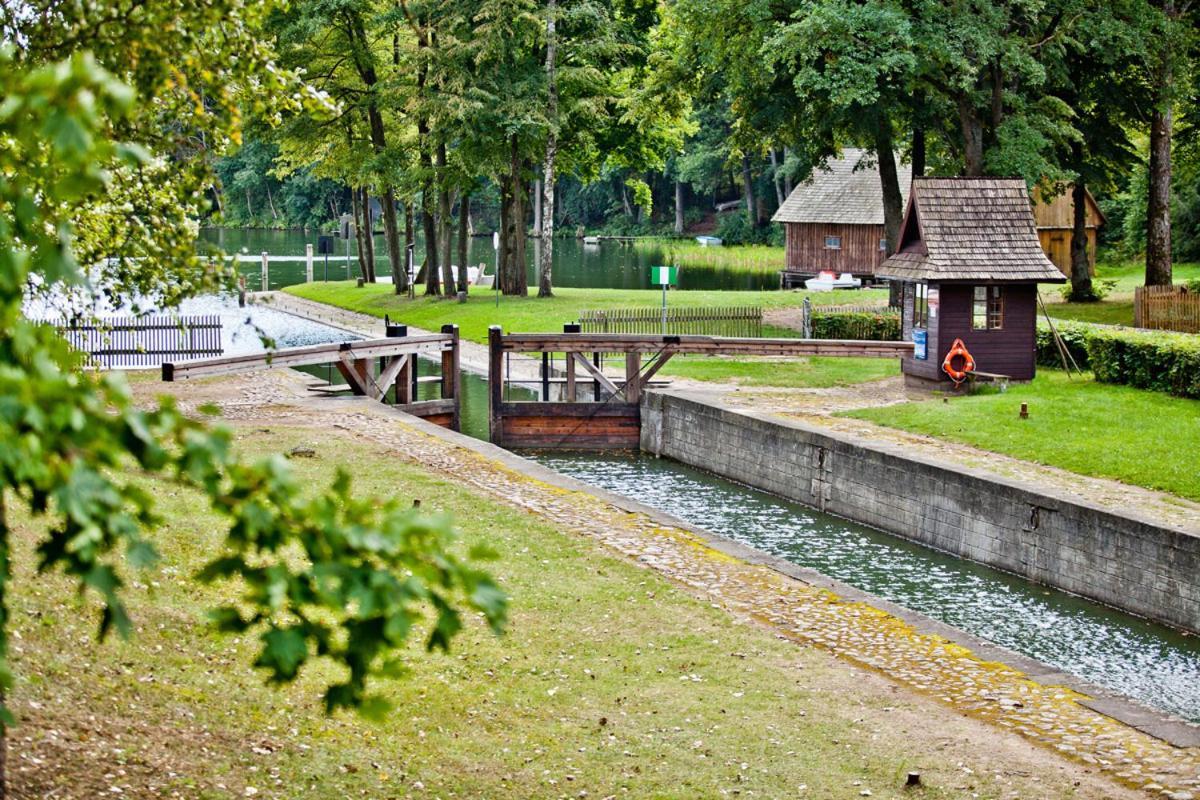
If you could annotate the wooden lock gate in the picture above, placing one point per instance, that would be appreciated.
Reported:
(370, 367)
(611, 418)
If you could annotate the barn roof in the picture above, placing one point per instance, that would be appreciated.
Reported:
(969, 229)
(842, 191)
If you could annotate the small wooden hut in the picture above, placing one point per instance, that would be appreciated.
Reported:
(834, 220)
(970, 262)
(1055, 221)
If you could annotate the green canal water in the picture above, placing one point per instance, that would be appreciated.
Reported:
(608, 265)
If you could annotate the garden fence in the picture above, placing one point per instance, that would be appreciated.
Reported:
(143, 341)
(1167, 308)
(739, 321)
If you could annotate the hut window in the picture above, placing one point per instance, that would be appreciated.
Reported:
(988, 311)
(883, 245)
(921, 305)
(833, 243)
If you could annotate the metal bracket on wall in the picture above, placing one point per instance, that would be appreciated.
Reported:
(822, 481)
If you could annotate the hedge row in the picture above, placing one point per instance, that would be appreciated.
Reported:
(880, 327)
(1161, 362)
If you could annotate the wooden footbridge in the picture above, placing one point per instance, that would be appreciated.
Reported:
(583, 406)
(370, 368)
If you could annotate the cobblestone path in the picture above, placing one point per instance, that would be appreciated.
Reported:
(997, 693)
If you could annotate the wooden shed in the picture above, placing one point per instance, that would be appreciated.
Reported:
(834, 220)
(1055, 221)
(970, 262)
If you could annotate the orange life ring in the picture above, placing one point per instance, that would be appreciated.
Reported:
(958, 350)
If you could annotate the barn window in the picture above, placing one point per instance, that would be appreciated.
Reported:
(883, 245)
(988, 311)
(833, 243)
(921, 305)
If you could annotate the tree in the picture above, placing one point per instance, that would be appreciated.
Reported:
(69, 438)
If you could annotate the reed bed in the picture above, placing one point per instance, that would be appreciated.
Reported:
(687, 253)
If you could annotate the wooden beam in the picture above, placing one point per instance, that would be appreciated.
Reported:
(495, 385)
(698, 345)
(389, 374)
(595, 372)
(353, 373)
(302, 356)
(633, 386)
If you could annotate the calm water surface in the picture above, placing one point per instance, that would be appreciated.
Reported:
(607, 265)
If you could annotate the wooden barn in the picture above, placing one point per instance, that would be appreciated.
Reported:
(1055, 221)
(834, 220)
(970, 262)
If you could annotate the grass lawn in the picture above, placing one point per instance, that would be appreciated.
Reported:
(610, 682)
(1141, 438)
(529, 314)
(1117, 308)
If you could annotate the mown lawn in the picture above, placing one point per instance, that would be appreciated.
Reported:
(1142, 438)
(1117, 308)
(529, 314)
(610, 683)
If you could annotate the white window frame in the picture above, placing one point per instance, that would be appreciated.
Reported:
(837, 243)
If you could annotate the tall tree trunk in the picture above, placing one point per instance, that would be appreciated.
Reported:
(464, 239)
(433, 280)
(368, 237)
(391, 232)
(544, 216)
(748, 191)
(625, 206)
(249, 205)
(409, 240)
(679, 207)
(513, 279)
(972, 133)
(779, 198)
(444, 221)
(1081, 272)
(787, 178)
(360, 244)
(271, 202)
(1158, 209)
(537, 206)
(918, 133)
(889, 181)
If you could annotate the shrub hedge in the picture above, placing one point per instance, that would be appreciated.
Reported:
(881, 327)
(1161, 362)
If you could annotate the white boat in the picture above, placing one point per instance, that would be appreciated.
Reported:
(827, 281)
(591, 240)
(709, 241)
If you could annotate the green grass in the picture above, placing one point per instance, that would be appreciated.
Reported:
(530, 314)
(1117, 307)
(590, 691)
(688, 253)
(1141, 438)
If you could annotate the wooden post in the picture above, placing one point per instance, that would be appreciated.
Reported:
(545, 377)
(633, 365)
(404, 393)
(451, 386)
(308, 263)
(571, 328)
(265, 276)
(596, 384)
(495, 385)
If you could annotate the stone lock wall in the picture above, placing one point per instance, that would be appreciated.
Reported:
(1118, 560)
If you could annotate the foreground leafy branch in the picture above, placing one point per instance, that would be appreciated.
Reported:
(328, 575)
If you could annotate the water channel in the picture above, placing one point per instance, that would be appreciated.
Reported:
(1151, 663)
(609, 265)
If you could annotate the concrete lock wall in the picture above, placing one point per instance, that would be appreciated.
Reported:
(1118, 560)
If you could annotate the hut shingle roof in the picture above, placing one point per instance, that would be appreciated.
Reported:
(969, 229)
(843, 191)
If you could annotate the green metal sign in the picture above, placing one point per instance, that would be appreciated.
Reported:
(664, 276)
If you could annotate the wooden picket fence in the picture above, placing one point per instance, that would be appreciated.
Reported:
(1167, 308)
(740, 321)
(143, 341)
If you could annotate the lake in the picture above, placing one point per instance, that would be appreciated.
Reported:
(607, 265)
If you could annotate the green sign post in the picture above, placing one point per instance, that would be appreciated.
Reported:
(664, 277)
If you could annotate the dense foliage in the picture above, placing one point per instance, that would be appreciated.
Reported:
(324, 574)
(1161, 362)
(829, 323)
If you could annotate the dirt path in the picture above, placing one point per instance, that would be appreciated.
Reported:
(1036, 740)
